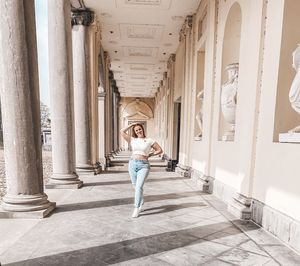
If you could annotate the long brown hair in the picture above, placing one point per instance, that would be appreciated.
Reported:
(134, 135)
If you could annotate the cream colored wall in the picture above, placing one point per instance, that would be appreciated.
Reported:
(253, 164)
(231, 162)
(276, 175)
(200, 150)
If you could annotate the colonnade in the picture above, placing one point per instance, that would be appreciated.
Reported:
(78, 140)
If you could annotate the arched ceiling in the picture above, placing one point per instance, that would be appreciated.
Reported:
(139, 36)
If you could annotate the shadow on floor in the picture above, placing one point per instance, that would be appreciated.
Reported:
(123, 182)
(136, 248)
(170, 208)
(121, 201)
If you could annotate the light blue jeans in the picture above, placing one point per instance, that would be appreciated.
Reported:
(138, 171)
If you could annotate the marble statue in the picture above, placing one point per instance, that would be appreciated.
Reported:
(294, 94)
(229, 98)
(199, 115)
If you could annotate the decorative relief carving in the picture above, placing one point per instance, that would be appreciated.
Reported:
(83, 17)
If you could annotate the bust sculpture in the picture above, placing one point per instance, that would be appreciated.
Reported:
(294, 94)
(229, 98)
(199, 115)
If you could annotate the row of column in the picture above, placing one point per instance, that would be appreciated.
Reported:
(70, 104)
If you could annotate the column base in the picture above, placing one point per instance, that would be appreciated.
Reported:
(85, 169)
(183, 170)
(240, 206)
(97, 168)
(64, 181)
(204, 182)
(26, 206)
(27, 215)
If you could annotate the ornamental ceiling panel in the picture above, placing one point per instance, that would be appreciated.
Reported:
(140, 51)
(157, 4)
(139, 67)
(144, 32)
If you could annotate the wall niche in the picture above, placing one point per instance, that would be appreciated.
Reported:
(230, 72)
(287, 108)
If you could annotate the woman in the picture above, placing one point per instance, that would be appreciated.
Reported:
(139, 167)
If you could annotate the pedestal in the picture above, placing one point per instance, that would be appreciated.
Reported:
(289, 137)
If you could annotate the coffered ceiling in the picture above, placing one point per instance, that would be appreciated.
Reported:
(139, 36)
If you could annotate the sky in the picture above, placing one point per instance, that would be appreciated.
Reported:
(42, 43)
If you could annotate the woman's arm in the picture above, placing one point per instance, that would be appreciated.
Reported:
(157, 150)
(123, 131)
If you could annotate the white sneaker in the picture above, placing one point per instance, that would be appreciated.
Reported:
(135, 213)
(141, 206)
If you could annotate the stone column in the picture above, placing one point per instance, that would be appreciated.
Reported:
(101, 123)
(116, 118)
(81, 19)
(111, 113)
(61, 96)
(20, 105)
(94, 47)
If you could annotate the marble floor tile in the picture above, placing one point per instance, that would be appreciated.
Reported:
(183, 257)
(245, 258)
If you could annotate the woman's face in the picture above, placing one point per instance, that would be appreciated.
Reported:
(139, 131)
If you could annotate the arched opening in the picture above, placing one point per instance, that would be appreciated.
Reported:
(230, 66)
(288, 86)
(136, 110)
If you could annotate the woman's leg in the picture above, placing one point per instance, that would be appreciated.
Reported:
(141, 177)
(132, 172)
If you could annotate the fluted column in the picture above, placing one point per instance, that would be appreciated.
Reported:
(20, 105)
(80, 20)
(61, 96)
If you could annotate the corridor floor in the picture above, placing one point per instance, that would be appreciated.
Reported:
(180, 225)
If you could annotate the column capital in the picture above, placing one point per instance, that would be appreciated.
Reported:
(83, 17)
(171, 60)
(107, 59)
(187, 26)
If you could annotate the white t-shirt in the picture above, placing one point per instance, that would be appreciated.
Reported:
(141, 146)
